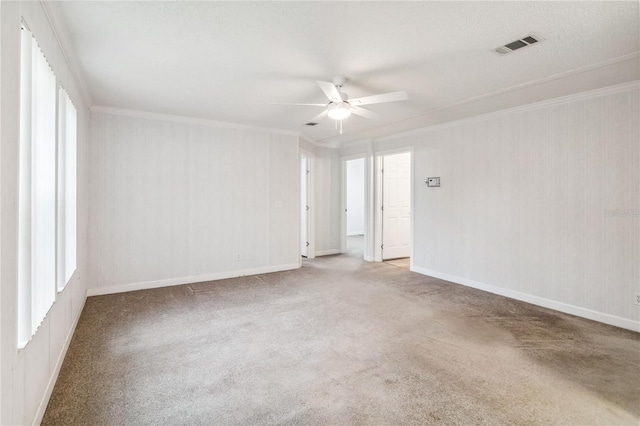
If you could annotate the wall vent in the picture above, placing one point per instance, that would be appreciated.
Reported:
(518, 44)
(311, 123)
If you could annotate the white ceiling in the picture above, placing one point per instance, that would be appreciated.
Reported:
(226, 61)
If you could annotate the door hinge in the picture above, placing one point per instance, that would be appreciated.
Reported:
(307, 208)
(382, 208)
(307, 243)
(382, 246)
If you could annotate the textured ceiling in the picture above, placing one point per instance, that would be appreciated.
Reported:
(226, 61)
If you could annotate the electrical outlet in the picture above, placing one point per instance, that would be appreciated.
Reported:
(636, 299)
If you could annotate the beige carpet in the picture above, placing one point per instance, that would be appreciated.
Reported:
(400, 263)
(341, 342)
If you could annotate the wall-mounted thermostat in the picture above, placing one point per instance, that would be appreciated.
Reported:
(433, 181)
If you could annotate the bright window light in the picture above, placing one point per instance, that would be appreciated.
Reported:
(66, 189)
(37, 189)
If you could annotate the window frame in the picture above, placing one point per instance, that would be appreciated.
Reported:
(67, 189)
(47, 188)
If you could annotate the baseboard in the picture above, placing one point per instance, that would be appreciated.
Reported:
(327, 252)
(535, 300)
(56, 371)
(145, 285)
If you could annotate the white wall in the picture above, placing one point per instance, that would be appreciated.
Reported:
(175, 202)
(522, 210)
(355, 197)
(28, 375)
(327, 182)
(326, 204)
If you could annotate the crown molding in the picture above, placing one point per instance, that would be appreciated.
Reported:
(358, 142)
(190, 120)
(348, 138)
(562, 100)
(310, 140)
(543, 80)
(63, 40)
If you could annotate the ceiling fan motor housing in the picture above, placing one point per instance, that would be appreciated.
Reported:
(339, 80)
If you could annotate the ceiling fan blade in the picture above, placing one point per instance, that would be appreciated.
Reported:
(318, 117)
(330, 90)
(365, 113)
(378, 99)
(279, 103)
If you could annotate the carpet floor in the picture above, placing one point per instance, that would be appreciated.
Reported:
(340, 341)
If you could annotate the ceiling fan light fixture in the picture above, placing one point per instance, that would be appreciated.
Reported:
(339, 111)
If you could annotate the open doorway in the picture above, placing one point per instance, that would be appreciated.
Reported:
(354, 202)
(395, 209)
(306, 213)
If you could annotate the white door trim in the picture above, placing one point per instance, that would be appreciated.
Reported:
(311, 234)
(368, 199)
(377, 202)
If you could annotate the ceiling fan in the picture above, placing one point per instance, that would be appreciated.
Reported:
(340, 106)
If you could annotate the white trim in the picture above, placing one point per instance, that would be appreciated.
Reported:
(190, 120)
(378, 216)
(336, 139)
(310, 201)
(311, 198)
(343, 202)
(535, 300)
(562, 100)
(553, 77)
(366, 143)
(145, 285)
(299, 197)
(309, 139)
(327, 252)
(393, 151)
(354, 156)
(377, 206)
(42, 407)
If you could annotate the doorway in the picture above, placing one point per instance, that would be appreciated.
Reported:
(354, 172)
(306, 212)
(395, 209)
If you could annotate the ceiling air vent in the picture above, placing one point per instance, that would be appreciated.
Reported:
(311, 123)
(517, 44)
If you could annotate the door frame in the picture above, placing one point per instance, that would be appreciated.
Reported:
(378, 182)
(311, 236)
(368, 199)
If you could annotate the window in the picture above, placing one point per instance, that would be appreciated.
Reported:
(66, 189)
(37, 189)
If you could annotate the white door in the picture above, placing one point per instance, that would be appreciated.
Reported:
(396, 206)
(304, 207)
